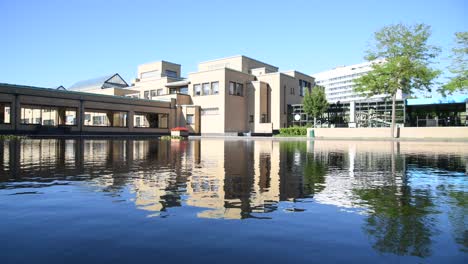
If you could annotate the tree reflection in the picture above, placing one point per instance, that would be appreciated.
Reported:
(314, 175)
(400, 221)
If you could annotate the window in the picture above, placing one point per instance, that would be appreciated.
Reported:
(236, 89)
(292, 90)
(251, 119)
(210, 111)
(105, 118)
(160, 92)
(146, 95)
(170, 73)
(5, 113)
(206, 89)
(196, 89)
(232, 88)
(215, 87)
(149, 74)
(149, 120)
(183, 90)
(239, 89)
(47, 115)
(153, 93)
(190, 120)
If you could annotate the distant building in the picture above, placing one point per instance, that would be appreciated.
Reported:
(339, 83)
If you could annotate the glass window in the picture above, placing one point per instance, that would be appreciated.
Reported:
(70, 116)
(239, 89)
(49, 116)
(170, 73)
(189, 119)
(105, 118)
(196, 89)
(146, 95)
(31, 115)
(206, 89)
(145, 120)
(215, 87)
(251, 119)
(5, 113)
(160, 92)
(232, 88)
(183, 90)
(153, 93)
(149, 74)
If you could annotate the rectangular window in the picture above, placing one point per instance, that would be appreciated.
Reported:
(189, 119)
(149, 74)
(232, 88)
(105, 118)
(183, 90)
(172, 74)
(160, 92)
(153, 93)
(146, 95)
(5, 113)
(70, 116)
(251, 119)
(196, 89)
(149, 120)
(239, 89)
(48, 115)
(206, 89)
(292, 90)
(215, 88)
(210, 111)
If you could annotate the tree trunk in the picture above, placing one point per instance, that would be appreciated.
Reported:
(393, 115)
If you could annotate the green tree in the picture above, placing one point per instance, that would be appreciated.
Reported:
(459, 66)
(405, 58)
(315, 103)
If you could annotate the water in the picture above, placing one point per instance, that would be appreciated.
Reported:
(232, 201)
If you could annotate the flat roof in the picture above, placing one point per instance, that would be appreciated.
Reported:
(441, 100)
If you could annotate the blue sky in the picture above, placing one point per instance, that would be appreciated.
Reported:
(50, 43)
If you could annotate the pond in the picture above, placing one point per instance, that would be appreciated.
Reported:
(232, 201)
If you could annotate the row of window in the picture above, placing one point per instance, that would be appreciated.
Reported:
(54, 116)
(206, 89)
(303, 85)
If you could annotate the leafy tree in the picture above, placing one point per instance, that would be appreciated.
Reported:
(459, 67)
(315, 103)
(402, 57)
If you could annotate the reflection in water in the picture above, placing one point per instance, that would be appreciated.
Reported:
(401, 189)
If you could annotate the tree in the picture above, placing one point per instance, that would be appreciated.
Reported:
(315, 103)
(459, 66)
(405, 57)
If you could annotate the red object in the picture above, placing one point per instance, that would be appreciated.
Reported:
(179, 129)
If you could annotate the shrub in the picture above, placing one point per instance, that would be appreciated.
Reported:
(293, 131)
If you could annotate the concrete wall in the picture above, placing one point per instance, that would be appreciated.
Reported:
(384, 133)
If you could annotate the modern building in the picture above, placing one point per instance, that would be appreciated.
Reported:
(339, 83)
(228, 96)
(33, 110)
(231, 95)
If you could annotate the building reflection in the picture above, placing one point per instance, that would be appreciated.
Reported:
(236, 179)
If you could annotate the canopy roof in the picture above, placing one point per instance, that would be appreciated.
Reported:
(108, 81)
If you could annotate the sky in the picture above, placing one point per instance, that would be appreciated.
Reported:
(50, 43)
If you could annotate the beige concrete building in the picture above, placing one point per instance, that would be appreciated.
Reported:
(224, 96)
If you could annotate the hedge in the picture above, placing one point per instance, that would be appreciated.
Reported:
(294, 131)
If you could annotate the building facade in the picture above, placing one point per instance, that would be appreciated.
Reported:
(33, 110)
(230, 96)
(339, 83)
